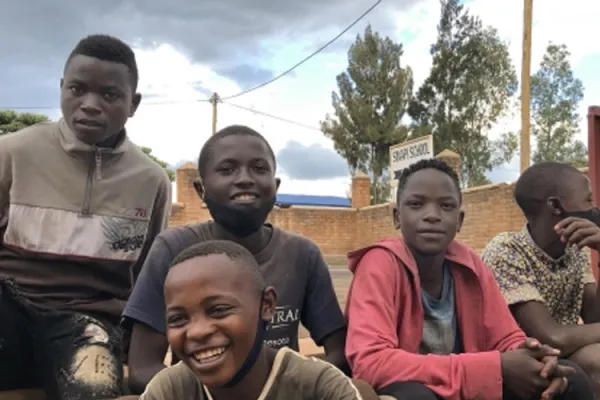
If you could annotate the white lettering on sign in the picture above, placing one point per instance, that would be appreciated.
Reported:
(404, 154)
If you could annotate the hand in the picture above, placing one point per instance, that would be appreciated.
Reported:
(551, 370)
(579, 232)
(521, 374)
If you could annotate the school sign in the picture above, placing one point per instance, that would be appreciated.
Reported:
(404, 154)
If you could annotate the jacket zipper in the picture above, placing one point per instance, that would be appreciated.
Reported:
(95, 167)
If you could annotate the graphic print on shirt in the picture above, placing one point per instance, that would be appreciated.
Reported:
(282, 326)
(124, 235)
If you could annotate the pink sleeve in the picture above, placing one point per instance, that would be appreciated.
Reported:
(502, 331)
(372, 341)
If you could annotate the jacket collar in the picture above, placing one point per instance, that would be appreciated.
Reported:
(72, 144)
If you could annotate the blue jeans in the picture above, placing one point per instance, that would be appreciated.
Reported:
(70, 355)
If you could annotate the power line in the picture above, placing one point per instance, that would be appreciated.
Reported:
(264, 114)
(320, 49)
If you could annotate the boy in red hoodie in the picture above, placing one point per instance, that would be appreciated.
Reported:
(426, 319)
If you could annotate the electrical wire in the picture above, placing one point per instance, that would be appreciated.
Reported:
(264, 114)
(305, 59)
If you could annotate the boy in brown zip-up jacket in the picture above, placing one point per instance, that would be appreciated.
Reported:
(79, 208)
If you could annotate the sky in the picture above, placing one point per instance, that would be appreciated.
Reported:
(186, 50)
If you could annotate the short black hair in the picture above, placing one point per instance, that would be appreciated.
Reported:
(430, 163)
(539, 182)
(232, 130)
(107, 48)
(228, 248)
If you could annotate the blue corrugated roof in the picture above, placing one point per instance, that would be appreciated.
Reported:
(308, 200)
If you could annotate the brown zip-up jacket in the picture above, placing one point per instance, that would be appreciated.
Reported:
(76, 222)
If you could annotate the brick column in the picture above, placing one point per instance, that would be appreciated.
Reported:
(361, 190)
(451, 158)
(186, 174)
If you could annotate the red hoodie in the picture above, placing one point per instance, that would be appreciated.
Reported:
(385, 323)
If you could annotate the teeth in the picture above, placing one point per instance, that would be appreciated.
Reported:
(245, 197)
(209, 355)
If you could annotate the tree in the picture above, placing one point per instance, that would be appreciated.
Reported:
(555, 98)
(469, 89)
(373, 97)
(11, 121)
(170, 172)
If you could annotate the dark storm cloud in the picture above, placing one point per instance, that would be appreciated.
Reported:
(37, 35)
(311, 162)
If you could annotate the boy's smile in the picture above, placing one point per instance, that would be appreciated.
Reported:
(240, 172)
(212, 316)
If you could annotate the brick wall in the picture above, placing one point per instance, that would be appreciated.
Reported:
(489, 210)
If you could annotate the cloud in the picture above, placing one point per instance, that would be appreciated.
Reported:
(231, 36)
(311, 162)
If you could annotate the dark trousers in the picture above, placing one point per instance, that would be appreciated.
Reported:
(579, 388)
(71, 356)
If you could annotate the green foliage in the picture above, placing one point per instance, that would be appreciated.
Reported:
(170, 172)
(555, 98)
(373, 97)
(469, 89)
(11, 121)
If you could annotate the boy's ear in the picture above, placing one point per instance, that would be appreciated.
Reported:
(269, 302)
(461, 218)
(396, 216)
(277, 183)
(199, 187)
(62, 81)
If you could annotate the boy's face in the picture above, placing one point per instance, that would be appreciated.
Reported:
(97, 98)
(240, 171)
(428, 212)
(212, 316)
(579, 197)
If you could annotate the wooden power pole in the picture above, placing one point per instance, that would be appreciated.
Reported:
(214, 100)
(526, 86)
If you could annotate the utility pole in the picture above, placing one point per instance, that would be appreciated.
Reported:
(526, 86)
(214, 100)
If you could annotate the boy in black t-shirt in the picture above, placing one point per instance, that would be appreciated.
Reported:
(238, 185)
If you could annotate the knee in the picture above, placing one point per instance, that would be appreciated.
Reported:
(588, 358)
(580, 386)
(407, 390)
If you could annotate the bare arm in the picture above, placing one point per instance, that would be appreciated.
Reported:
(334, 345)
(590, 311)
(535, 319)
(146, 356)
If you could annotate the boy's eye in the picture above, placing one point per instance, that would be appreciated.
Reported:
(110, 96)
(448, 206)
(176, 321)
(414, 203)
(219, 311)
(76, 89)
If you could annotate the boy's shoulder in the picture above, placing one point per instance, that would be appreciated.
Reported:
(174, 382)
(183, 236)
(312, 376)
(26, 137)
(505, 243)
(139, 160)
(296, 240)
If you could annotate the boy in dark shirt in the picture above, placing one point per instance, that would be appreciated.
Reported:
(238, 185)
